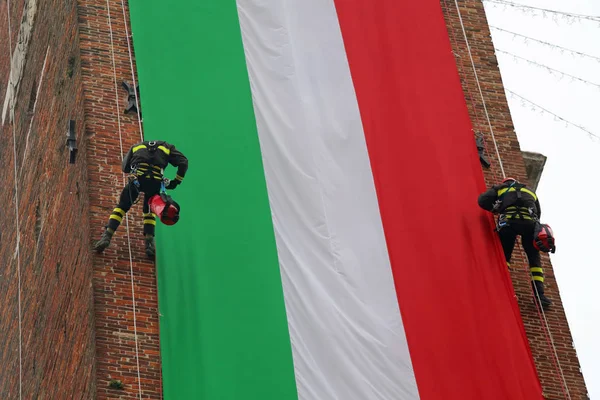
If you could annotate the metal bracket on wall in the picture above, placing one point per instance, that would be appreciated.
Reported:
(131, 94)
(71, 142)
(480, 142)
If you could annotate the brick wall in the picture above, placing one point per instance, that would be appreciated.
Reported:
(115, 340)
(482, 48)
(56, 295)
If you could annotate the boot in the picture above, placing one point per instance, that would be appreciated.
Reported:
(104, 241)
(539, 294)
(150, 248)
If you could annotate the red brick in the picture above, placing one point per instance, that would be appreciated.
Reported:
(57, 303)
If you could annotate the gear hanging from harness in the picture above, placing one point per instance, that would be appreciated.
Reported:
(516, 210)
(543, 238)
(164, 207)
(149, 170)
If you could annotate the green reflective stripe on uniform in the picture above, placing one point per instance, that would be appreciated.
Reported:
(165, 150)
(537, 272)
(518, 216)
(136, 148)
(178, 177)
(529, 192)
(117, 214)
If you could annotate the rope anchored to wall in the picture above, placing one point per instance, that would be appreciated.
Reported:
(137, 356)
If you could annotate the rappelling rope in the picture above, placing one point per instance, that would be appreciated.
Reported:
(137, 103)
(548, 334)
(487, 115)
(540, 309)
(137, 355)
(18, 248)
(480, 123)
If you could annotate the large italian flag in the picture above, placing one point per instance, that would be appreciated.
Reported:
(330, 246)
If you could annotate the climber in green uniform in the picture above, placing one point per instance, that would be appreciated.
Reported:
(145, 162)
(519, 212)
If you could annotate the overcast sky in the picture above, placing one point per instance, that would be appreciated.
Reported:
(569, 190)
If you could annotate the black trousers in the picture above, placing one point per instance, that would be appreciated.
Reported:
(130, 193)
(508, 237)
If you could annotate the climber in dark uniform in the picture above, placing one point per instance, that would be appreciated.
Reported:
(145, 162)
(519, 211)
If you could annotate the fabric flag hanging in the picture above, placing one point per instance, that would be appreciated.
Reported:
(332, 247)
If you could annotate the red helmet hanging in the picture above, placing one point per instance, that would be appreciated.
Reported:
(544, 238)
(509, 179)
(166, 209)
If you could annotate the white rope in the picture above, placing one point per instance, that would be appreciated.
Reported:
(137, 356)
(543, 313)
(479, 88)
(547, 326)
(137, 103)
(17, 250)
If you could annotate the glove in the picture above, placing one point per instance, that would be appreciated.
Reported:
(173, 184)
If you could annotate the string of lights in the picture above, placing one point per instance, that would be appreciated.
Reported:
(549, 69)
(536, 107)
(544, 11)
(548, 44)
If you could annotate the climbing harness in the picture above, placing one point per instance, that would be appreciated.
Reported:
(516, 208)
(112, 50)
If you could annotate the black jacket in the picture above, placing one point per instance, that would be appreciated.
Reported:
(511, 204)
(157, 154)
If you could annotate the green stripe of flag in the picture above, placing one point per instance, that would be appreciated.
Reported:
(224, 332)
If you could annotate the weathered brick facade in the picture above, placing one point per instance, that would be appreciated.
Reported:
(77, 310)
(486, 64)
(57, 304)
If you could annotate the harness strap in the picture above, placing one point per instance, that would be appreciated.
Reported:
(517, 207)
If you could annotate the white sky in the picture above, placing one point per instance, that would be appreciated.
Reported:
(570, 186)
